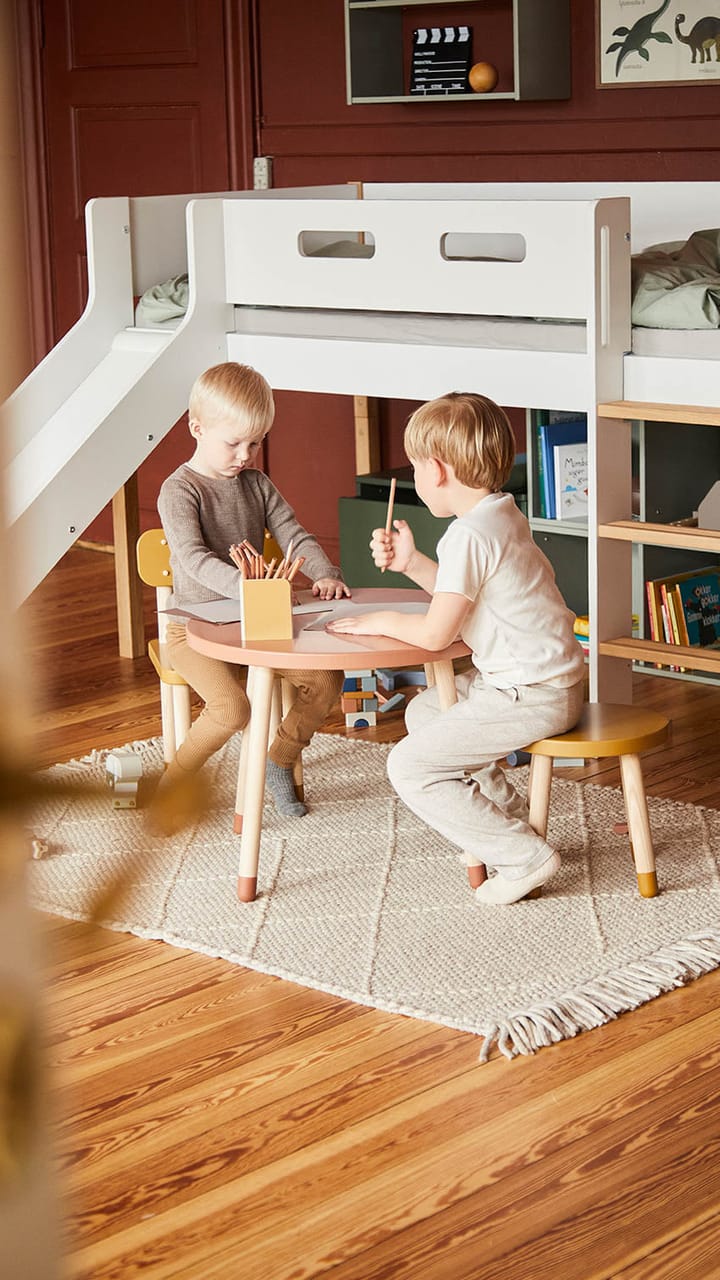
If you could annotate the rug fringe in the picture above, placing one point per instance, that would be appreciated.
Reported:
(601, 1001)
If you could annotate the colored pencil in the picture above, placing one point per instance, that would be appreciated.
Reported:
(389, 516)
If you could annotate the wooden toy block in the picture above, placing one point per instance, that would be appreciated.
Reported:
(369, 682)
(358, 675)
(391, 679)
(361, 720)
(266, 609)
(397, 700)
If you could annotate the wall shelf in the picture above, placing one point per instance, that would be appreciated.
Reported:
(534, 39)
(662, 535)
(674, 466)
(675, 655)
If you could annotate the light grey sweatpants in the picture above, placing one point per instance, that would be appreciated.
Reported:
(482, 813)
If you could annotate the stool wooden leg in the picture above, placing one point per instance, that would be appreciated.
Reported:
(181, 713)
(476, 873)
(168, 723)
(639, 824)
(257, 733)
(288, 698)
(539, 784)
(242, 763)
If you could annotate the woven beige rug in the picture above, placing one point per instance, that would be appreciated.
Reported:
(360, 899)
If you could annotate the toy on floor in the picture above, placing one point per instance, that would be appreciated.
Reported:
(391, 679)
(361, 699)
(123, 770)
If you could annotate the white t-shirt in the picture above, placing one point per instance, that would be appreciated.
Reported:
(519, 628)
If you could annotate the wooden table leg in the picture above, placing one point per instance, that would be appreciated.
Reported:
(444, 679)
(254, 789)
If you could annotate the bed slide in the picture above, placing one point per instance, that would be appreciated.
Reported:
(85, 419)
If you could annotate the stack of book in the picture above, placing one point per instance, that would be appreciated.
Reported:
(562, 465)
(581, 628)
(685, 608)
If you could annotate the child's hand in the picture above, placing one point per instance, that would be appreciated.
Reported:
(393, 550)
(330, 589)
(361, 624)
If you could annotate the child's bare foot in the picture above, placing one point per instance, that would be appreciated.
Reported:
(502, 891)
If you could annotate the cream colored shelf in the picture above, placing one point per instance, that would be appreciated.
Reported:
(671, 655)
(662, 535)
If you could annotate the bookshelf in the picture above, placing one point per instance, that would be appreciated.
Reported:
(528, 40)
(687, 465)
(564, 542)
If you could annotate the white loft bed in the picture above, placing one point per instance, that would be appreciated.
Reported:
(521, 291)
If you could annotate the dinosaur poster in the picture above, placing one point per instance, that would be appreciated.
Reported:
(642, 42)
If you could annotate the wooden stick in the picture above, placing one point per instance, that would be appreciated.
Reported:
(280, 569)
(269, 568)
(288, 555)
(391, 503)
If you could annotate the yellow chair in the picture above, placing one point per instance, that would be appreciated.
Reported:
(153, 562)
(604, 729)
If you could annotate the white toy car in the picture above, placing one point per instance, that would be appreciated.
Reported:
(123, 772)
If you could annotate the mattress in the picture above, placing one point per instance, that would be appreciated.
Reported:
(494, 332)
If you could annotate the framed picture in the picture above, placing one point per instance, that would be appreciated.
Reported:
(656, 42)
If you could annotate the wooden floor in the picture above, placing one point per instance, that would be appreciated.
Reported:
(214, 1122)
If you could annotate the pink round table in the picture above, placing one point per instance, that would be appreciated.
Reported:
(308, 650)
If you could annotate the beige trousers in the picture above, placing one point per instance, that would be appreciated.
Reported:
(227, 710)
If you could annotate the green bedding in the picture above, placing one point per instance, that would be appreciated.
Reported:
(677, 286)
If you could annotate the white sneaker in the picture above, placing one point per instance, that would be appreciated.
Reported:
(501, 891)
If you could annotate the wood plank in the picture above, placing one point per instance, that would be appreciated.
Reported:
(367, 435)
(662, 535)
(676, 655)
(645, 411)
(128, 587)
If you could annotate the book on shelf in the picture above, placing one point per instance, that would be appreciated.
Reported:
(571, 480)
(684, 608)
(550, 435)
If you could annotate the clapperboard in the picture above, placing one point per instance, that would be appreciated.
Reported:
(441, 60)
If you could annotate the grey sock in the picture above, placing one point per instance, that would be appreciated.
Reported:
(280, 782)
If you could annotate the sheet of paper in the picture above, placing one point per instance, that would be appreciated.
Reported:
(222, 611)
(346, 609)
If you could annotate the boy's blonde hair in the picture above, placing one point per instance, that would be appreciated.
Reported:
(232, 390)
(469, 432)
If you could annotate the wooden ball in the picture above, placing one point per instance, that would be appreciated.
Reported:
(483, 77)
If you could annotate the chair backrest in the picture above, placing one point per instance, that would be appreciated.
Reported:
(153, 562)
(153, 558)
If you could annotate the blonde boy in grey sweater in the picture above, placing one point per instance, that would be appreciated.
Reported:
(215, 500)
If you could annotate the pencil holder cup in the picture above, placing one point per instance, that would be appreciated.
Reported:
(266, 605)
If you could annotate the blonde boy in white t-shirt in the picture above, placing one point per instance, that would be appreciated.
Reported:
(494, 587)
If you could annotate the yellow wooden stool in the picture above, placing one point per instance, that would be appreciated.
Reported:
(604, 729)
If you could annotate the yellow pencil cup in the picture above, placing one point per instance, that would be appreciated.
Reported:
(266, 609)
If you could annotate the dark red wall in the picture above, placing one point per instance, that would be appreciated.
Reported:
(303, 122)
(610, 134)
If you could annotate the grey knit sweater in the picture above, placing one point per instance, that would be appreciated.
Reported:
(202, 517)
